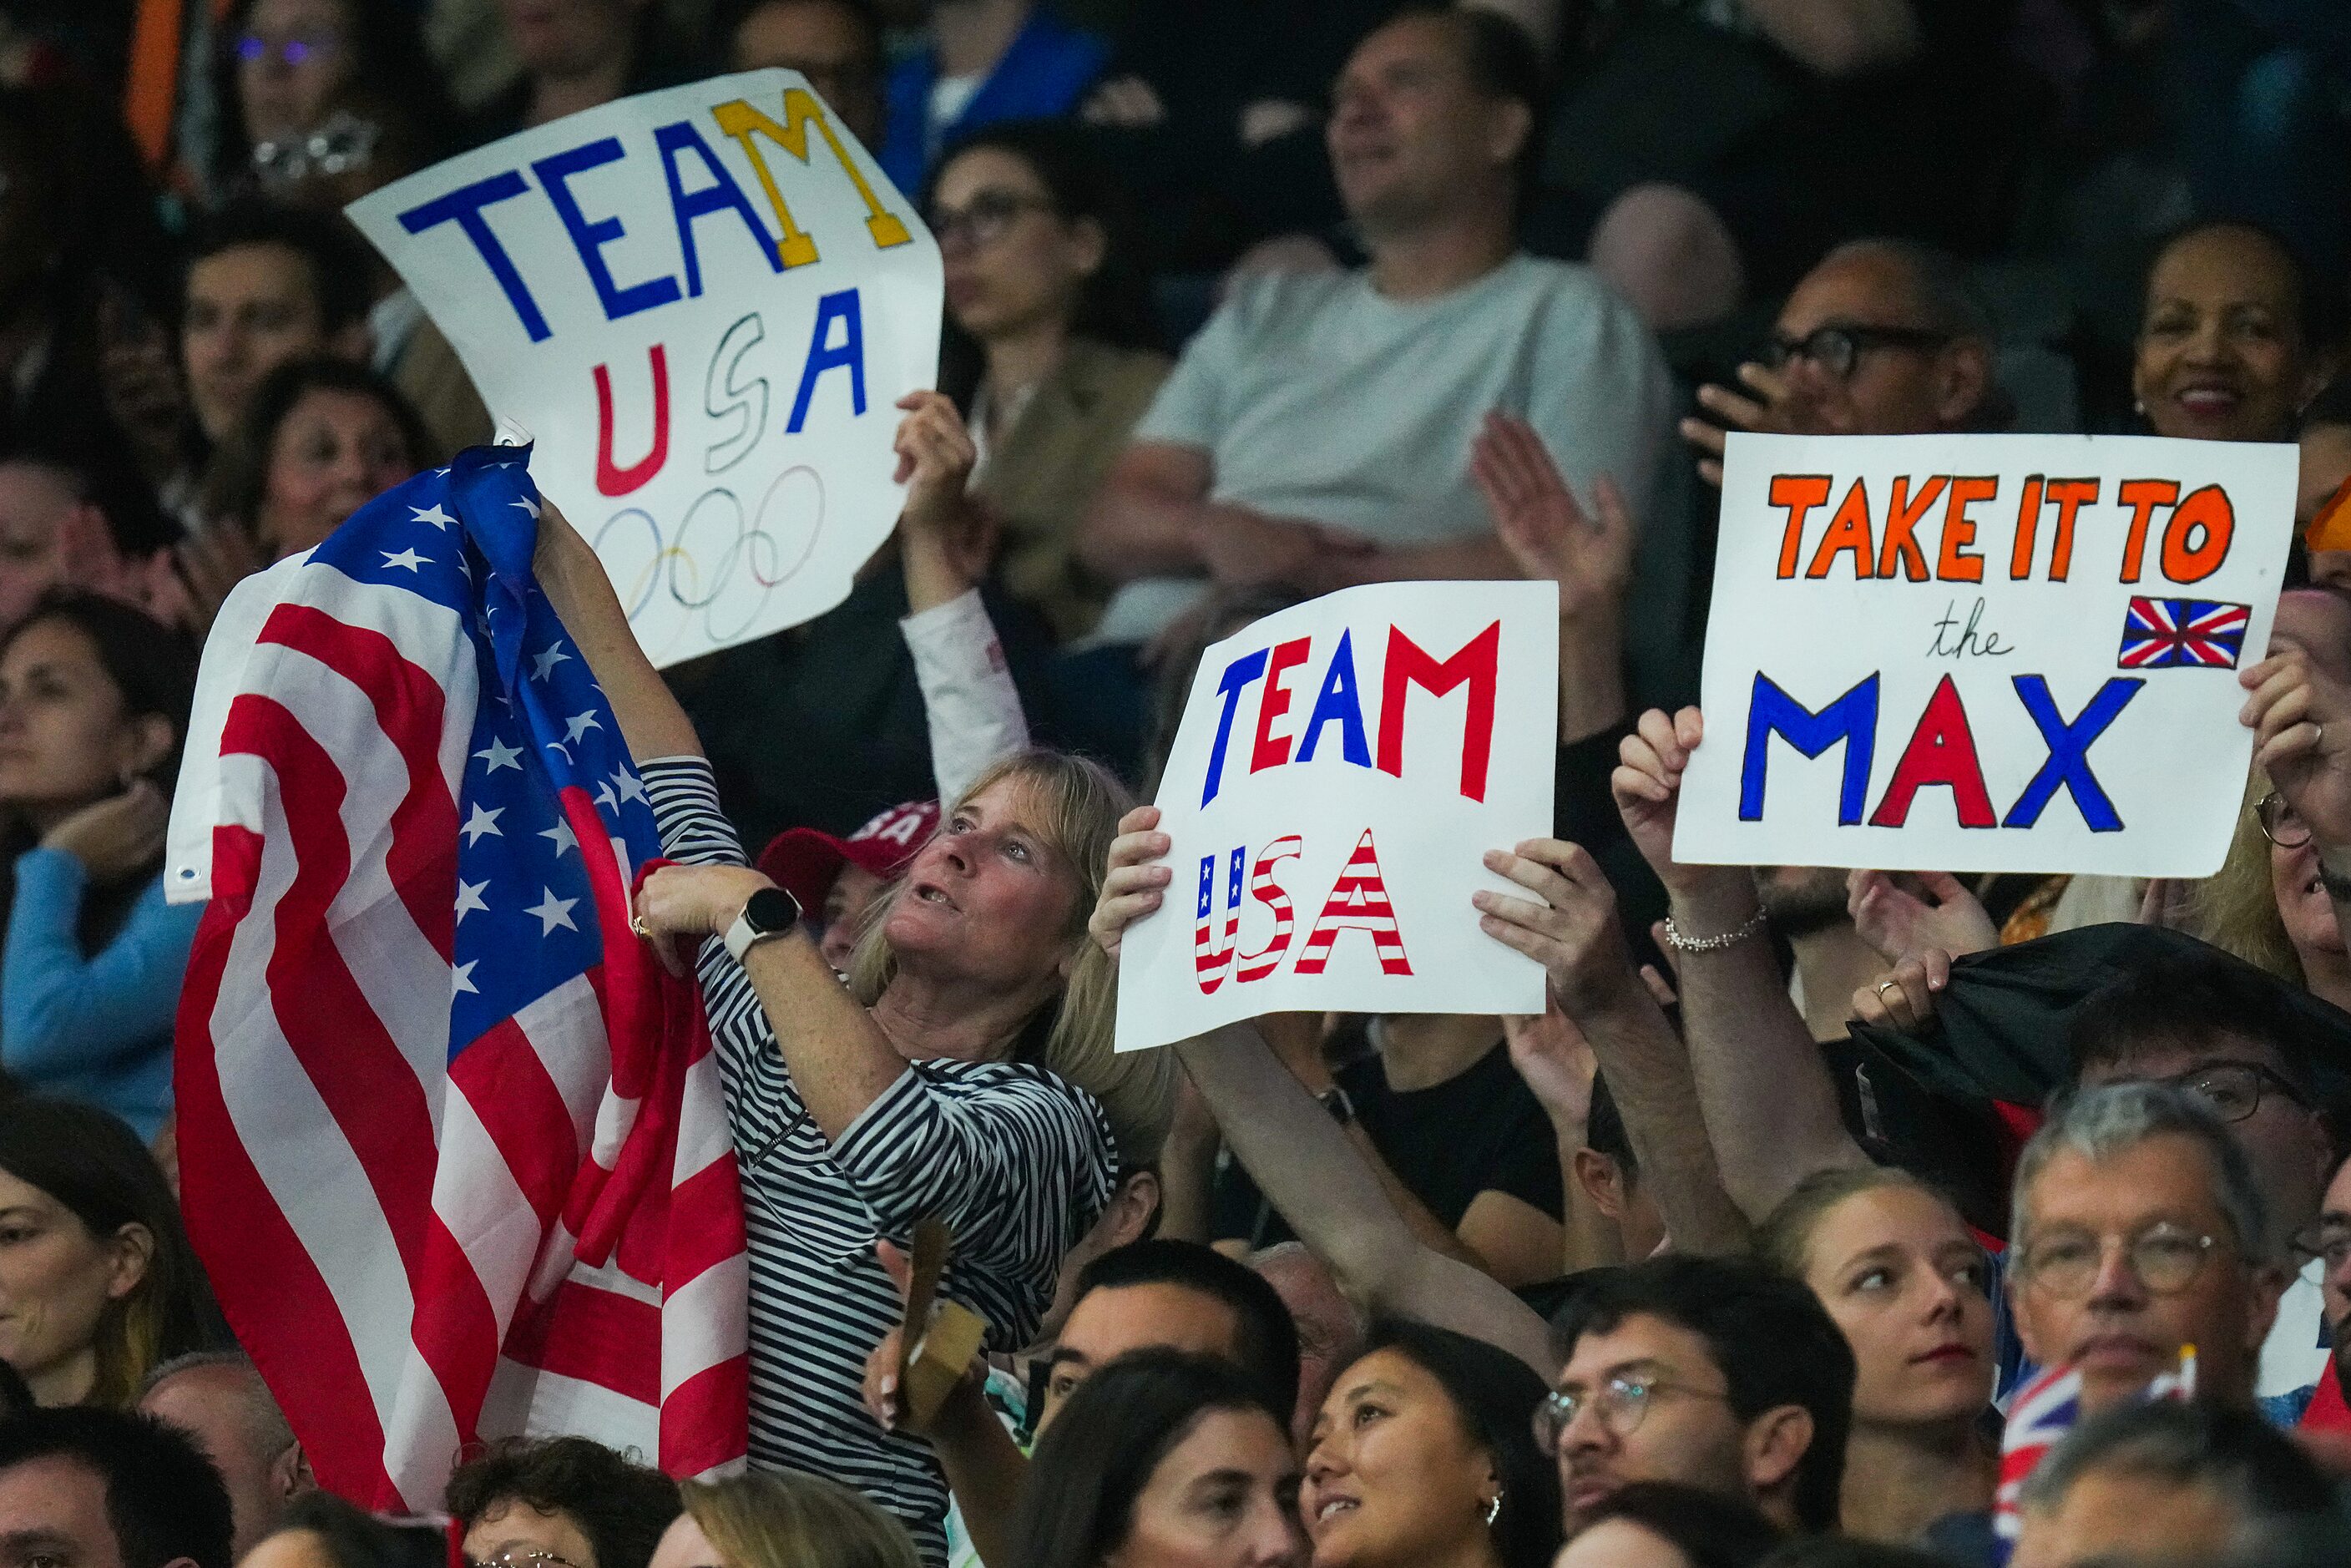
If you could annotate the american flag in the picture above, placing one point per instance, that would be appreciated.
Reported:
(2045, 1410)
(2158, 633)
(453, 1147)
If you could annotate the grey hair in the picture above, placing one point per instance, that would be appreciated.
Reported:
(265, 1425)
(2235, 1454)
(2100, 1124)
(1949, 300)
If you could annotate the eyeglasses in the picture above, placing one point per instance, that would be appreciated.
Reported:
(522, 1557)
(2280, 824)
(1620, 1403)
(2165, 1257)
(253, 48)
(989, 218)
(342, 145)
(1838, 346)
(2233, 1090)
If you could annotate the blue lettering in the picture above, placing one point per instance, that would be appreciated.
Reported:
(725, 195)
(2069, 752)
(464, 205)
(1339, 700)
(591, 238)
(849, 356)
(1852, 718)
(1237, 675)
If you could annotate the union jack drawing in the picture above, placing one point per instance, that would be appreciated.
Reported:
(2160, 633)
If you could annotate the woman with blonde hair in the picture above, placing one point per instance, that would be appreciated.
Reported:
(785, 1521)
(2266, 904)
(965, 1074)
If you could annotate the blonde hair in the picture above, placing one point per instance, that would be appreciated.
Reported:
(2236, 908)
(787, 1519)
(1784, 1240)
(1080, 804)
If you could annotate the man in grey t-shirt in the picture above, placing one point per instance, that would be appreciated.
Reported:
(1317, 433)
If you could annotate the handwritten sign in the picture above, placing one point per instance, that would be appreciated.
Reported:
(702, 303)
(1984, 653)
(1340, 769)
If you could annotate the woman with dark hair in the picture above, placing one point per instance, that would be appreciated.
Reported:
(323, 438)
(319, 1530)
(2236, 336)
(94, 699)
(1163, 1458)
(97, 1285)
(567, 1497)
(1425, 1453)
(1665, 1524)
(1051, 348)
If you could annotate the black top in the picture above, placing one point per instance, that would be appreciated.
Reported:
(1481, 1130)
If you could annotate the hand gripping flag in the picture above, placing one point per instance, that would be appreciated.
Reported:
(2045, 1411)
(453, 1146)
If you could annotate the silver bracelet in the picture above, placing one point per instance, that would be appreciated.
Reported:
(1681, 944)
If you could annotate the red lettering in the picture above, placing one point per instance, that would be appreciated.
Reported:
(2142, 497)
(1848, 530)
(610, 478)
(1942, 750)
(1257, 966)
(1901, 518)
(1358, 902)
(2207, 509)
(1956, 562)
(2070, 496)
(1475, 663)
(1799, 492)
(1273, 700)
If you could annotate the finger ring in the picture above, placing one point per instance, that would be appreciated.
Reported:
(1885, 986)
(637, 924)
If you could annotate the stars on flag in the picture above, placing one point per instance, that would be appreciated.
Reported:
(484, 822)
(406, 558)
(498, 754)
(553, 912)
(528, 505)
(579, 723)
(630, 787)
(469, 896)
(432, 514)
(460, 977)
(561, 836)
(543, 663)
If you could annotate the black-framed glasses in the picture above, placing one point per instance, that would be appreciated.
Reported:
(522, 1557)
(985, 218)
(2280, 824)
(1838, 346)
(253, 48)
(2233, 1090)
(1621, 1403)
(2166, 1257)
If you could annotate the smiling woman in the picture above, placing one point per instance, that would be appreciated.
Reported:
(2237, 337)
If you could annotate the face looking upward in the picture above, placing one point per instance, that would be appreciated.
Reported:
(1906, 1282)
(1395, 1477)
(1410, 137)
(1225, 1496)
(988, 900)
(2222, 353)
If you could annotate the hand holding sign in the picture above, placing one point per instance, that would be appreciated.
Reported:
(2301, 720)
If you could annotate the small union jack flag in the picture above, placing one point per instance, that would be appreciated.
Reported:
(2159, 633)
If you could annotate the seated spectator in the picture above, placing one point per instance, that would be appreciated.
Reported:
(781, 1521)
(836, 44)
(1663, 1524)
(218, 1398)
(94, 699)
(571, 1500)
(2266, 904)
(1715, 1374)
(321, 1531)
(1424, 1453)
(1263, 460)
(1330, 1328)
(1051, 346)
(103, 1286)
(104, 1488)
(265, 286)
(576, 54)
(1908, 1286)
(70, 522)
(1164, 1457)
(2166, 1482)
(983, 61)
(2139, 1230)
(976, 967)
(1883, 338)
(2236, 337)
(318, 89)
(320, 440)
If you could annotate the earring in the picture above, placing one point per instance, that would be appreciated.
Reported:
(1493, 1511)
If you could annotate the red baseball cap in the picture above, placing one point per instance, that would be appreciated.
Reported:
(804, 862)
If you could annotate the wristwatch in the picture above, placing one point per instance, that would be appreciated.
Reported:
(767, 914)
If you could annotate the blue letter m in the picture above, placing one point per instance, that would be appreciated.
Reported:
(1852, 718)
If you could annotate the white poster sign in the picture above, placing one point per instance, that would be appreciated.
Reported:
(701, 303)
(1340, 768)
(1984, 653)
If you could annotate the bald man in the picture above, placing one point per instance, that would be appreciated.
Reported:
(218, 1400)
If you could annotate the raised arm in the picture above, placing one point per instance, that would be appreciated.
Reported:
(576, 584)
(2301, 720)
(1771, 1111)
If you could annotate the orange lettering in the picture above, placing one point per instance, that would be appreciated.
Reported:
(2070, 496)
(2028, 522)
(1901, 517)
(1956, 562)
(2142, 497)
(1800, 492)
(2207, 509)
(1848, 530)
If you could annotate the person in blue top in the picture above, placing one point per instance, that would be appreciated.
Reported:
(987, 60)
(94, 698)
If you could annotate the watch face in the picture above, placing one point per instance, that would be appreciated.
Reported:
(771, 910)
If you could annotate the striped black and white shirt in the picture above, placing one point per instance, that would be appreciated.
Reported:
(1017, 1164)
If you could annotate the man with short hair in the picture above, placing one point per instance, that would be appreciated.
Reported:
(836, 44)
(1174, 1295)
(1884, 336)
(1715, 1372)
(101, 1488)
(218, 1400)
(1317, 433)
(266, 284)
(2166, 1482)
(2140, 1231)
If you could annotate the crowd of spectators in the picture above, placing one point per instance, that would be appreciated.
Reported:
(1247, 300)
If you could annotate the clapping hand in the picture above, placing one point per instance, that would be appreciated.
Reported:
(1893, 920)
(1588, 554)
